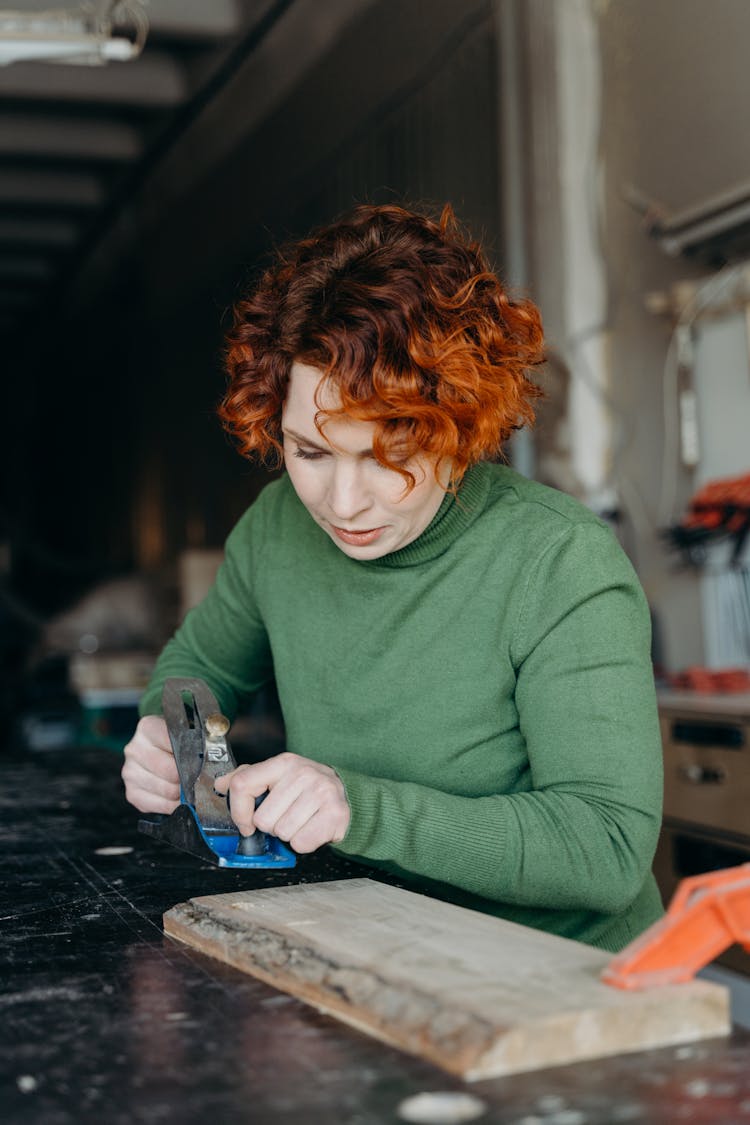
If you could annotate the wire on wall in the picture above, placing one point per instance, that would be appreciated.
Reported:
(679, 359)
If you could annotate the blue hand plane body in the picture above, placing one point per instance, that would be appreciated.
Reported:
(202, 824)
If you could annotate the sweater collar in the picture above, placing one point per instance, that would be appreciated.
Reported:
(454, 515)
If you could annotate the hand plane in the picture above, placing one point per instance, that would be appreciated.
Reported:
(202, 823)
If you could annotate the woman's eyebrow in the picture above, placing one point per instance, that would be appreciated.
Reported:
(315, 445)
(304, 440)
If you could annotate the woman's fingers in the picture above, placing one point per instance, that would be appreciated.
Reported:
(149, 771)
(305, 804)
(145, 800)
(307, 826)
(304, 801)
(138, 777)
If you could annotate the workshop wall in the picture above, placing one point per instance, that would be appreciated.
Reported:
(676, 89)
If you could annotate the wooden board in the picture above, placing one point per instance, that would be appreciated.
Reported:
(478, 996)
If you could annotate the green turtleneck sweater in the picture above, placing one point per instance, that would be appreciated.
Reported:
(485, 694)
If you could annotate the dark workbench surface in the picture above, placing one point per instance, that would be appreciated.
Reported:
(105, 1020)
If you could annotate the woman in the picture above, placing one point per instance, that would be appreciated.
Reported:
(461, 655)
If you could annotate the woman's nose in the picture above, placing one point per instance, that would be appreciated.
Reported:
(347, 492)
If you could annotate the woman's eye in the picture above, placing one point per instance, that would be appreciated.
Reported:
(401, 460)
(309, 454)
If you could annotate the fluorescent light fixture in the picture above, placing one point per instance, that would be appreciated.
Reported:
(82, 37)
(713, 220)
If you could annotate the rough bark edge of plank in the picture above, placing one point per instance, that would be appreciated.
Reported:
(412, 1020)
(452, 1040)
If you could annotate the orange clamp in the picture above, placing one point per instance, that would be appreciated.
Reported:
(707, 914)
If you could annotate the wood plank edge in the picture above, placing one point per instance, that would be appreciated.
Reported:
(453, 1041)
(461, 1042)
(680, 1014)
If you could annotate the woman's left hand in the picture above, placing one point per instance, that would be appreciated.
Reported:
(306, 805)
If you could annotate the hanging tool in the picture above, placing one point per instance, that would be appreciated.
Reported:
(707, 914)
(202, 823)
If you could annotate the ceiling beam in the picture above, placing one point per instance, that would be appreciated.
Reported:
(56, 234)
(153, 81)
(22, 268)
(195, 19)
(35, 187)
(183, 19)
(67, 137)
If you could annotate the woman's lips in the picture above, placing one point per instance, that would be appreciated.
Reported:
(358, 538)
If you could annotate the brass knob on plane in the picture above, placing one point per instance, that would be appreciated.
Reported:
(216, 725)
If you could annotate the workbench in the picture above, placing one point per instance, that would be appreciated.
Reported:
(105, 1020)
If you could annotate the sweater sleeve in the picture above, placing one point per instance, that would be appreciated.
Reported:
(584, 833)
(223, 640)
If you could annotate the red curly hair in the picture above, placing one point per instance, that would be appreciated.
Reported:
(404, 316)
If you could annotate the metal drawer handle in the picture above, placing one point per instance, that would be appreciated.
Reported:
(702, 775)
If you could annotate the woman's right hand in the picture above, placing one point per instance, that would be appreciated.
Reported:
(152, 783)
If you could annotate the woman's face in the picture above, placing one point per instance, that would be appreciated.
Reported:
(364, 507)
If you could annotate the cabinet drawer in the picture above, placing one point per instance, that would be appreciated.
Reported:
(707, 773)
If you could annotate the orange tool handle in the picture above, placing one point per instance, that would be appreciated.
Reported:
(707, 914)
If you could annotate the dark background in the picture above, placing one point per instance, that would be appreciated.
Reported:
(112, 456)
(112, 459)
(137, 199)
